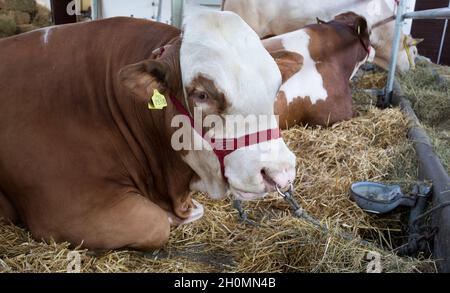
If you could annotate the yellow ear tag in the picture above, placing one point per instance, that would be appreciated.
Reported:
(158, 101)
(359, 30)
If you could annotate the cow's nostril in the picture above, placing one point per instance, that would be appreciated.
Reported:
(280, 178)
(267, 178)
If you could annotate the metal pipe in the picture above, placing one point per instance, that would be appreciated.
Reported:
(94, 9)
(159, 16)
(430, 168)
(441, 47)
(422, 192)
(395, 46)
(439, 13)
(177, 12)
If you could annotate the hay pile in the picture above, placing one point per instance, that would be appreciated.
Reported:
(19, 16)
(373, 80)
(429, 94)
(429, 90)
(371, 147)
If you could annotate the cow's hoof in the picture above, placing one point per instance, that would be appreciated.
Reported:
(196, 214)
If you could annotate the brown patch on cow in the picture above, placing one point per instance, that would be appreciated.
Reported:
(336, 64)
(282, 109)
(336, 49)
(288, 62)
(301, 111)
(216, 99)
(273, 44)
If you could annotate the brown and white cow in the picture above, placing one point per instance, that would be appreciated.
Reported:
(317, 63)
(276, 17)
(84, 160)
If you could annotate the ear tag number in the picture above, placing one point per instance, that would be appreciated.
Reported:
(158, 101)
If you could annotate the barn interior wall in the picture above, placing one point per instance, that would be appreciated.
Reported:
(431, 31)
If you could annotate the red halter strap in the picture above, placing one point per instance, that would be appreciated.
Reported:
(224, 147)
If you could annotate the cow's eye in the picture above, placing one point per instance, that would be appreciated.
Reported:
(202, 96)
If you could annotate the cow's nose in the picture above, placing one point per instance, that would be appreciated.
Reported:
(278, 178)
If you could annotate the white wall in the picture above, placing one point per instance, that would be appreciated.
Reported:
(135, 8)
(409, 7)
(144, 8)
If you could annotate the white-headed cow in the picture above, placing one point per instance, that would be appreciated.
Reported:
(82, 157)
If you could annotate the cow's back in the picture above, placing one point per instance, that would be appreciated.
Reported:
(44, 62)
(276, 17)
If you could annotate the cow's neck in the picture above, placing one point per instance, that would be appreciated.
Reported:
(353, 56)
(149, 133)
(354, 59)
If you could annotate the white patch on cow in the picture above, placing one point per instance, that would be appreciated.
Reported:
(46, 34)
(308, 82)
(372, 54)
(221, 46)
(207, 167)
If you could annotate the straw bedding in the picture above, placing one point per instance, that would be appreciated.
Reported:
(371, 147)
(20, 16)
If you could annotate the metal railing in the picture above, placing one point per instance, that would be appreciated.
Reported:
(95, 10)
(178, 7)
(444, 33)
(440, 13)
(177, 12)
(160, 7)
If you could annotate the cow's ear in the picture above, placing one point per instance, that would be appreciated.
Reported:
(288, 62)
(362, 27)
(414, 42)
(320, 21)
(143, 77)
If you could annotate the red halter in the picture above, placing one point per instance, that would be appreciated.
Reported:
(224, 147)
